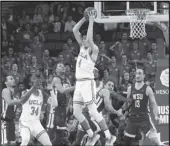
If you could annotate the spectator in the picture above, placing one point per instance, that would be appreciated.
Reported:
(73, 13)
(124, 66)
(150, 67)
(4, 24)
(28, 20)
(61, 59)
(71, 45)
(11, 16)
(144, 47)
(79, 13)
(14, 72)
(154, 51)
(37, 48)
(44, 6)
(45, 25)
(114, 71)
(4, 41)
(47, 60)
(20, 27)
(38, 16)
(97, 39)
(37, 32)
(10, 57)
(12, 42)
(118, 51)
(105, 76)
(27, 35)
(34, 64)
(69, 58)
(125, 44)
(135, 54)
(57, 24)
(125, 83)
(51, 15)
(68, 70)
(69, 24)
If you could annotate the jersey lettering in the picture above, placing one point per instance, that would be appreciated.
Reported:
(34, 102)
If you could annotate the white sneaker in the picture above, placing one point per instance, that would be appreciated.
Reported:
(110, 141)
(92, 141)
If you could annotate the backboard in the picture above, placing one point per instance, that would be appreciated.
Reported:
(114, 12)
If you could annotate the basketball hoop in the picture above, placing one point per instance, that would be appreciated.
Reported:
(138, 19)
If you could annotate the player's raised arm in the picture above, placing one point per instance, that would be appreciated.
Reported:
(152, 102)
(6, 95)
(108, 106)
(76, 31)
(57, 84)
(91, 15)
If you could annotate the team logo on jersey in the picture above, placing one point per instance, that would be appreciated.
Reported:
(164, 77)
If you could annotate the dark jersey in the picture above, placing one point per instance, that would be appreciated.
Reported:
(8, 112)
(56, 116)
(140, 100)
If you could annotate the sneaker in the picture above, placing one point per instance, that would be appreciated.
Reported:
(110, 141)
(92, 141)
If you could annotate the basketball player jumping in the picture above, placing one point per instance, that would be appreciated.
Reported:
(104, 104)
(139, 115)
(30, 116)
(85, 85)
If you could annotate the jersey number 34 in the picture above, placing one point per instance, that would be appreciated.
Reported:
(34, 110)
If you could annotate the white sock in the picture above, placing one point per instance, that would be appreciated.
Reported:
(90, 133)
(107, 134)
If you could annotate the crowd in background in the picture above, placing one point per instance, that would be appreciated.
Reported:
(116, 60)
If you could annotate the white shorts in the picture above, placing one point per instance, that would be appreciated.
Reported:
(85, 92)
(35, 128)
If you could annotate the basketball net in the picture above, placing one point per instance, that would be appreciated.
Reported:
(138, 19)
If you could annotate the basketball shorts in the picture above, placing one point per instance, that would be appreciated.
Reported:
(7, 131)
(35, 128)
(85, 92)
(138, 124)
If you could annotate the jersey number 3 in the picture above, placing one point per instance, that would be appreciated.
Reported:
(34, 110)
(137, 103)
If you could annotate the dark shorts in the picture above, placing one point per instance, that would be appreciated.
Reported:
(8, 131)
(51, 133)
(60, 116)
(138, 124)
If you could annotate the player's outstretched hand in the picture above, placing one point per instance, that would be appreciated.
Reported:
(92, 15)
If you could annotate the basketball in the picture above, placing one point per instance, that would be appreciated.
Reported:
(88, 10)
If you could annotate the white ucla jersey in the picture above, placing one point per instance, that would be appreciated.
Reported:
(84, 65)
(31, 109)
